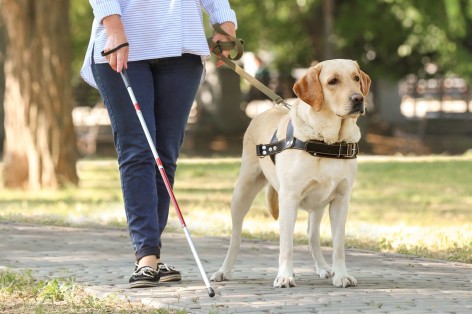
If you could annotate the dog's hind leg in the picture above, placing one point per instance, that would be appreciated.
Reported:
(250, 183)
(314, 220)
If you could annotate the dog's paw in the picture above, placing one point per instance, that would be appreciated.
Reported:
(344, 281)
(284, 282)
(325, 273)
(220, 276)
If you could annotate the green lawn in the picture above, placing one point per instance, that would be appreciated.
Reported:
(419, 205)
(21, 293)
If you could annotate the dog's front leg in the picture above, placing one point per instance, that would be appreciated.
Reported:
(338, 214)
(287, 219)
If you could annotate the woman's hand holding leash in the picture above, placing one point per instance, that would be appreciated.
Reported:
(224, 32)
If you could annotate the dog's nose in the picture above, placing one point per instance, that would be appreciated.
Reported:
(357, 101)
(357, 98)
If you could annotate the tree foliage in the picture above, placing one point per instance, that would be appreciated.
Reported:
(391, 38)
(397, 37)
(283, 28)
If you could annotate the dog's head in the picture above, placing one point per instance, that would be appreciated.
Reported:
(338, 85)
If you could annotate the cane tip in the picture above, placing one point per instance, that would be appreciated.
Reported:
(211, 292)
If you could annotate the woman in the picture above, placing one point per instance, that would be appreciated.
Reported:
(162, 45)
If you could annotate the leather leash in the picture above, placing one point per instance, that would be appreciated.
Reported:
(236, 44)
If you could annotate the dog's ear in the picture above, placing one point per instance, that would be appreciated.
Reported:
(365, 83)
(309, 89)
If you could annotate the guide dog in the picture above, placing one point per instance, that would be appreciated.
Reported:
(331, 97)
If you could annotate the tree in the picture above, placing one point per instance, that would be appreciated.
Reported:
(40, 146)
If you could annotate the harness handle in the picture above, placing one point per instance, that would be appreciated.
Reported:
(235, 44)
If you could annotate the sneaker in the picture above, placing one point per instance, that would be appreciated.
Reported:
(144, 277)
(168, 273)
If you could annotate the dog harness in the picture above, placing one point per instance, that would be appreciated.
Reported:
(313, 147)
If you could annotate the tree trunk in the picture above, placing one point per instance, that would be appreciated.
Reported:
(3, 45)
(328, 11)
(40, 146)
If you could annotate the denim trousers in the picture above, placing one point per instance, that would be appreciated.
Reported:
(165, 90)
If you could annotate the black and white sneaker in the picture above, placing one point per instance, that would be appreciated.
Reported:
(144, 277)
(168, 273)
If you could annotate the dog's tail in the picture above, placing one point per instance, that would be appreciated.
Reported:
(272, 200)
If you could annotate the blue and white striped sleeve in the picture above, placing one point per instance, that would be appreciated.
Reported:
(219, 11)
(104, 8)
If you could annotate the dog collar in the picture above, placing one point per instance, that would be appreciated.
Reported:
(316, 148)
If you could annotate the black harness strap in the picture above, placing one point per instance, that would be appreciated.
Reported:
(313, 147)
(276, 146)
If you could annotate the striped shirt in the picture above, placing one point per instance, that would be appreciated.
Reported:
(155, 28)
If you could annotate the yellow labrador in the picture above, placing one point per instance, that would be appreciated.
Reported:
(331, 96)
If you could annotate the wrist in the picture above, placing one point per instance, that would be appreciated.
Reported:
(112, 21)
(113, 25)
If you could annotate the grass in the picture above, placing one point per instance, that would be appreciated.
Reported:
(21, 293)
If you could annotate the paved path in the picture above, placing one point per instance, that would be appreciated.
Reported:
(102, 261)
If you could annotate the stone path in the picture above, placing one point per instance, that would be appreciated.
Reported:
(102, 260)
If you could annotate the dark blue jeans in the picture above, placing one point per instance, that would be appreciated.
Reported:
(165, 90)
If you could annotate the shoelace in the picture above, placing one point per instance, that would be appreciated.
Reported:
(146, 271)
(164, 266)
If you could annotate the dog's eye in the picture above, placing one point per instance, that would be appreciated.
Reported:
(357, 78)
(333, 81)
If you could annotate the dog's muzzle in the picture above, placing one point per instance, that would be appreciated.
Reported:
(357, 104)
